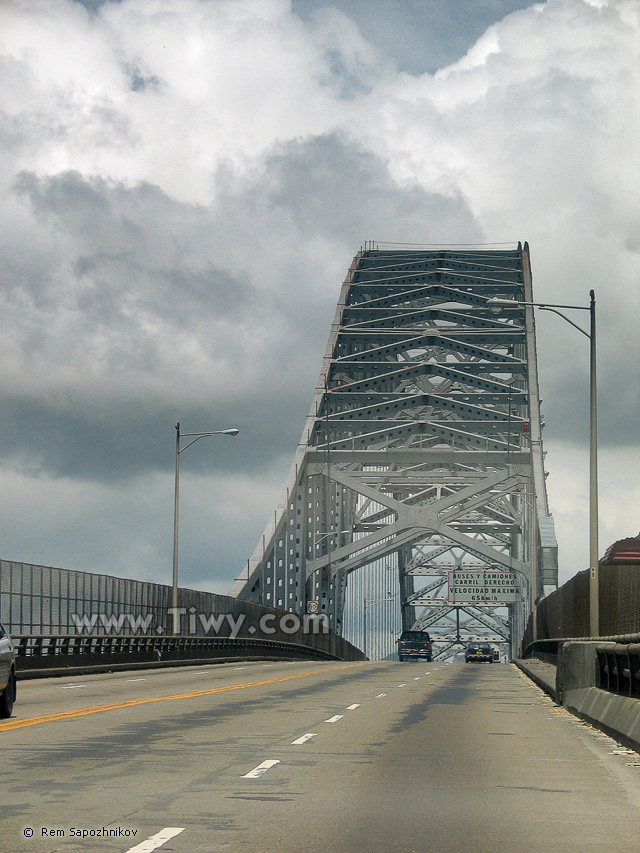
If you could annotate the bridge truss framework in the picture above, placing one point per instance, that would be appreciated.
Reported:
(423, 447)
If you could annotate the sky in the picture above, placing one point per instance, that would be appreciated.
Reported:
(184, 184)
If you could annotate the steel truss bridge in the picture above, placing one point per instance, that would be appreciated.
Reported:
(422, 448)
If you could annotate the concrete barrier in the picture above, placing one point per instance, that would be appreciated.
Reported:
(577, 688)
(577, 668)
(618, 716)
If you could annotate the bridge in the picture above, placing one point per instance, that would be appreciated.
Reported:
(420, 470)
(422, 452)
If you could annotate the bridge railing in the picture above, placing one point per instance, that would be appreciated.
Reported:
(616, 660)
(619, 666)
(46, 654)
(565, 612)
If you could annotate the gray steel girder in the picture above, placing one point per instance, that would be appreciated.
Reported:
(423, 440)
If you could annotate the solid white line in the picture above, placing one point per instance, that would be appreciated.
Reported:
(334, 719)
(257, 772)
(71, 686)
(157, 840)
(303, 738)
(352, 707)
(136, 679)
(380, 695)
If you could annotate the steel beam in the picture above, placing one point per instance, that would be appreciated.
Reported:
(423, 444)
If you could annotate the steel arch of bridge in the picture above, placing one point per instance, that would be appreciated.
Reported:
(424, 442)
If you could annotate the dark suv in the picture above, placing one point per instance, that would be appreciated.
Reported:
(478, 652)
(415, 645)
(7, 674)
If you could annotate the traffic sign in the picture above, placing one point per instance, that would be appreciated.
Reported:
(312, 606)
(491, 586)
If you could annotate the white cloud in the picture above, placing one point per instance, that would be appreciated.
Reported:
(186, 182)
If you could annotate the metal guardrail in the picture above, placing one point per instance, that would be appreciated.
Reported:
(618, 666)
(546, 650)
(617, 660)
(34, 652)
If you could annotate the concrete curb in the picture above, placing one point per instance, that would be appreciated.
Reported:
(618, 716)
(542, 676)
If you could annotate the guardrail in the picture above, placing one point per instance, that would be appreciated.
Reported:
(546, 650)
(617, 660)
(618, 665)
(56, 652)
(596, 678)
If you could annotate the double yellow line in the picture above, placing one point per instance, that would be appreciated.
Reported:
(9, 725)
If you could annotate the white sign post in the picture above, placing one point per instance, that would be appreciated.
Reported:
(491, 586)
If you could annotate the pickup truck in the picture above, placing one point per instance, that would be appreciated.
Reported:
(415, 645)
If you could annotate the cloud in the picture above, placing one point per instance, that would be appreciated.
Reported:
(186, 183)
(420, 35)
(136, 309)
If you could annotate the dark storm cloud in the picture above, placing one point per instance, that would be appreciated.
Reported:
(130, 270)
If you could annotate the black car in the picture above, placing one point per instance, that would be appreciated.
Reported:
(478, 652)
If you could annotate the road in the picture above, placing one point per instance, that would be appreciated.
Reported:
(313, 757)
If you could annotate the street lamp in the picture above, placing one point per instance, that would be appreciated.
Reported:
(194, 436)
(498, 304)
(322, 536)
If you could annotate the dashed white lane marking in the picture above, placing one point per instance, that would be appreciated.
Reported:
(380, 695)
(267, 665)
(136, 679)
(335, 718)
(157, 840)
(417, 678)
(303, 738)
(258, 771)
(71, 686)
(404, 684)
(239, 667)
(352, 707)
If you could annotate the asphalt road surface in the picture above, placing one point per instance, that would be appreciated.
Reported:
(310, 757)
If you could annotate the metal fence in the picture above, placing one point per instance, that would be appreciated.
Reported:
(40, 601)
(565, 613)
(45, 600)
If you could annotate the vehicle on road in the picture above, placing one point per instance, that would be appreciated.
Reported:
(7, 674)
(478, 652)
(415, 645)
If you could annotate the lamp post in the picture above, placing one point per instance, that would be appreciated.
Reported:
(318, 539)
(496, 303)
(194, 436)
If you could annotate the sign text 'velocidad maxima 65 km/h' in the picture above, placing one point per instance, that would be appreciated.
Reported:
(483, 587)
